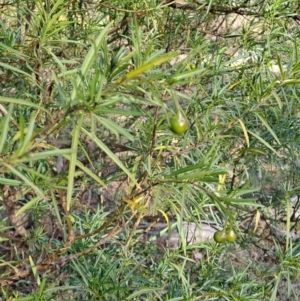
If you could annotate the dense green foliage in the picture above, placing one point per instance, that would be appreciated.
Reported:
(87, 154)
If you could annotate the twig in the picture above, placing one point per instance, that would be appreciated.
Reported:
(136, 224)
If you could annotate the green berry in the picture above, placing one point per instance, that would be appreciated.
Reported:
(178, 124)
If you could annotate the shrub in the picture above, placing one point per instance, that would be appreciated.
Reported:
(89, 163)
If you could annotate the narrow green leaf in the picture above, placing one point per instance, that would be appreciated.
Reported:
(126, 58)
(73, 159)
(14, 69)
(5, 127)
(47, 154)
(111, 155)
(56, 208)
(288, 223)
(246, 202)
(268, 127)
(292, 81)
(245, 131)
(264, 142)
(196, 175)
(118, 112)
(240, 192)
(56, 6)
(176, 299)
(23, 102)
(113, 127)
(25, 145)
(274, 296)
(187, 74)
(87, 171)
(282, 73)
(11, 182)
(29, 204)
(51, 28)
(252, 149)
(186, 169)
(152, 54)
(279, 102)
(66, 154)
(142, 291)
(117, 71)
(204, 176)
(209, 179)
(14, 51)
(24, 178)
(42, 286)
(150, 65)
(58, 61)
(34, 271)
(90, 57)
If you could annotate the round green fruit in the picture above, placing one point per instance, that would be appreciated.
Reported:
(178, 124)
(231, 235)
(220, 236)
